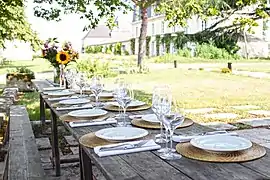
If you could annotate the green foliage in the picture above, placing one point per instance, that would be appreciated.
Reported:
(148, 39)
(209, 51)
(93, 49)
(225, 70)
(166, 39)
(185, 52)
(126, 53)
(92, 11)
(157, 44)
(132, 46)
(118, 48)
(166, 58)
(108, 50)
(14, 25)
(93, 67)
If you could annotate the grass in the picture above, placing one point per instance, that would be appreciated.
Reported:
(199, 89)
(36, 65)
(31, 101)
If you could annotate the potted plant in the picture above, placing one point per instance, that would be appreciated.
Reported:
(20, 78)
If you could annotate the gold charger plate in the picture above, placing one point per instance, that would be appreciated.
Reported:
(146, 124)
(189, 151)
(90, 140)
(68, 118)
(116, 108)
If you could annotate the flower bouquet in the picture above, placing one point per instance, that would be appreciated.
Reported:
(59, 57)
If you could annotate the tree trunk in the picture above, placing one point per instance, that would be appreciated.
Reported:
(142, 38)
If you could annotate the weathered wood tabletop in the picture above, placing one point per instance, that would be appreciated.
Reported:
(148, 165)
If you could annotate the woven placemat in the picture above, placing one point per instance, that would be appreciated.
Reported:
(146, 124)
(68, 118)
(189, 151)
(116, 108)
(91, 140)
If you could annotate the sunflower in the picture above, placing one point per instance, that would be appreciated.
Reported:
(62, 57)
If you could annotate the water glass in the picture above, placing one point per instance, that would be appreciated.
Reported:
(81, 80)
(171, 121)
(97, 87)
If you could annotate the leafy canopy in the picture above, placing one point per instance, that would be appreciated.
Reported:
(14, 25)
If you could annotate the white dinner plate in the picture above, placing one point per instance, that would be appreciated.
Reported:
(221, 143)
(132, 104)
(74, 101)
(150, 118)
(121, 133)
(87, 113)
(61, 93)
(53, 88)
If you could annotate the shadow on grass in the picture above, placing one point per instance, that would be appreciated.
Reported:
(31, 101)
(143, 96)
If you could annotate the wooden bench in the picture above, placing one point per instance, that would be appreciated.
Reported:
(23, 157)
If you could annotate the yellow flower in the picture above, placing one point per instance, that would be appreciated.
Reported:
(62, 57)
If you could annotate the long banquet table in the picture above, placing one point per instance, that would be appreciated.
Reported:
(148, 165)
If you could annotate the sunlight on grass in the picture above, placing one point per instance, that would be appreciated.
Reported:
(199, 89)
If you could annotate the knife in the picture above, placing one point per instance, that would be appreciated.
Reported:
(124, 146)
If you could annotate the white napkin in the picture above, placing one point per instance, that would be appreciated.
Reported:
(150, 145)
(93, 123)
(62, 98)
(74, 107)
(182, 138)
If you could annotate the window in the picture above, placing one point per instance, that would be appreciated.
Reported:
(153, 29)
(204, 25)
(137, 31)
(162, 27)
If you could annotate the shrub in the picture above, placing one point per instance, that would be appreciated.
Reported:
(209, 51)
(93, 67)
(201, 69)
(225, 70)
(126, 53)
(118, 49)
(167, 58)
(185, 52)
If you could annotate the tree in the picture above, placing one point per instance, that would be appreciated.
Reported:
(14, 25)
(143, 5)
(105, 9)
(243, 12)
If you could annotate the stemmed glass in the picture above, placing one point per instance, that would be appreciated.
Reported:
(118, 83)
(171, 121)
(70, 74)
(159, 92)
(81, 80)
(96, 87)
(124, 97)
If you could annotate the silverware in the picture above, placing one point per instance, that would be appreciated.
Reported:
(124, 146)
(212, 133)
(89, 121)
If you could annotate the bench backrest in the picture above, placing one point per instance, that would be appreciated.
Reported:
(23, 158)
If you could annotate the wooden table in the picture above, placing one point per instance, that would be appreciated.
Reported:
(148, 165)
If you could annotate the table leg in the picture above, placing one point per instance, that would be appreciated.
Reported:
(56, 156)
(42, 109)
(85, 165)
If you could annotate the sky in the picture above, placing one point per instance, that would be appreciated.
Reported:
(70, 28)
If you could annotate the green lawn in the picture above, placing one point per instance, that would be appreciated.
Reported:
(198, 89)
(36, 65)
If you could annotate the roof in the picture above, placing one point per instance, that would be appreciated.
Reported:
(101, 31)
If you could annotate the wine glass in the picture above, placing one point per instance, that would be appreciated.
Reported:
(96, 87)
(171, 121)
(81, 80)
(70, 74)
(124, 97)
(158, 92)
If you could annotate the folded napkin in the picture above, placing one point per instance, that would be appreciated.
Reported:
(183, 138)
(82, 123)
(150, 145)
(62, 98)
(75, 107)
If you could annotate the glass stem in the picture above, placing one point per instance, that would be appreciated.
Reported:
(171, 134)
(81, 91)
(124, 112)
(161, 128)
(96, 100)
(166, 135)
